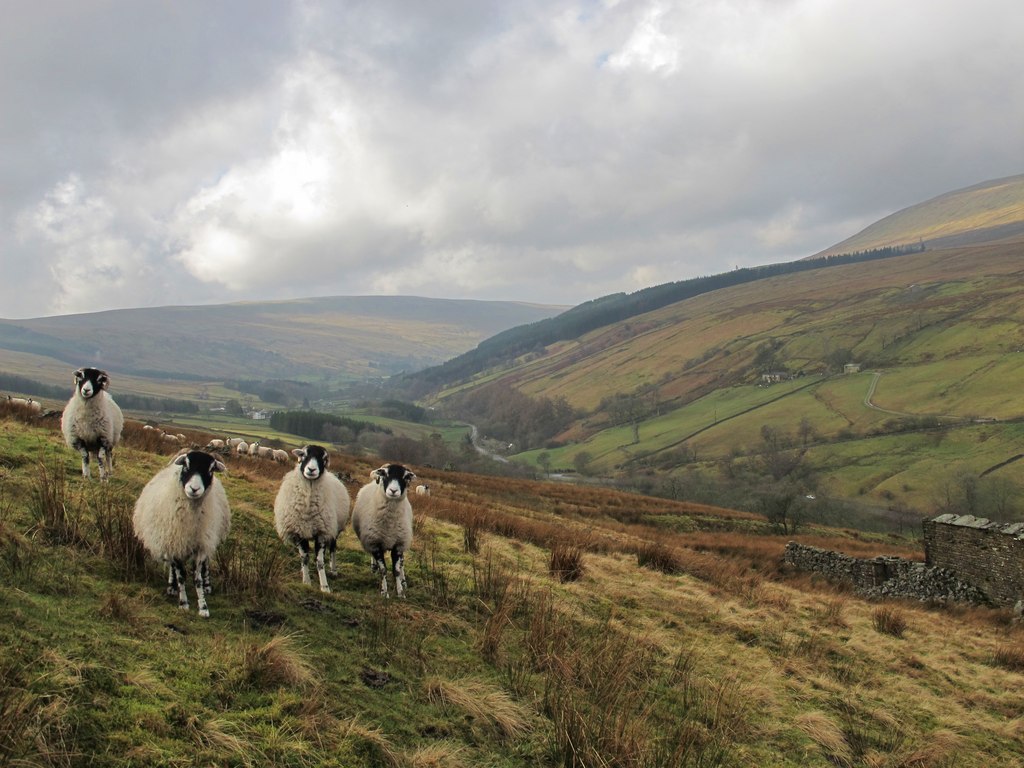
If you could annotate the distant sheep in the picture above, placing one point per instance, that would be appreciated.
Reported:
(382, 521)
(254, 448)
(312, 505)
(265, 452)
(280, 456)
(92, 421)
(182, 514)
(422, 490)
(232, 442)
(216, 444)
(242, 448)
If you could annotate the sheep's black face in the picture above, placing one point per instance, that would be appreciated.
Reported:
(395, 480)
(89, 381)
(313, 461)
(196, 475)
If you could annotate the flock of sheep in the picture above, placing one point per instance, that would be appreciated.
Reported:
(183, 514)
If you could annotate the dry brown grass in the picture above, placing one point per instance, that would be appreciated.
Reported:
(276, 663)
(481, 702)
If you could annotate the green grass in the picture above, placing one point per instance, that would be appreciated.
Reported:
(711, 656)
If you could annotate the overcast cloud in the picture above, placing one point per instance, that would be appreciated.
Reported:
(189, 152)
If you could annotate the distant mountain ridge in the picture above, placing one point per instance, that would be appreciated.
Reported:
(340, 337)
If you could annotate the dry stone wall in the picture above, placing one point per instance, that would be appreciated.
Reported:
(885, 576)
(986, 554)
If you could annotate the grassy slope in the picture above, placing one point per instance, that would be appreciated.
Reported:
(986, 206)
(944, 327)
(490, 661)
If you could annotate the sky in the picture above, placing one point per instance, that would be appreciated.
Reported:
(159, 152)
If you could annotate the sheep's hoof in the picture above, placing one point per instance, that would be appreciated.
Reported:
(325, 588)
(204, 613)
(183, 606)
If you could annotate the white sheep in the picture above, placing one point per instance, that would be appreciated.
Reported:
(312, 504)
(242, 448)
(280, 456)
(265, 452)
(382, 520)
(422, 490)
(182, 514)
(215, 444)
(92, 421)
(232, 442)
(254, 448)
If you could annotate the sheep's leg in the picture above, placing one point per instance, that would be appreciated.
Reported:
(304, 559)
(378, 564)
(398, 566)
(106, 458)
(172, 581)
(102, 463)
(332, 569)
(321, 571)
(207, 587)
(204, 610)
(179, 577)
(85, 459)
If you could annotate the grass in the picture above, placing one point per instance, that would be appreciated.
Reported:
(493, 659)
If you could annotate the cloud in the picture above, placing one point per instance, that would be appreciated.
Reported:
(538, 151)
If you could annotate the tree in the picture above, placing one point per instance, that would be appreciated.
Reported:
(581, 461)
(544, 460)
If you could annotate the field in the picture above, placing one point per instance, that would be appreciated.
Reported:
(531, 636)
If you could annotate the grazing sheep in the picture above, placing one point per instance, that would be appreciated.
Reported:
(254, 448)
(232, 442)
(280, 456)
(92, 421)
(382, 520)
(312, 504)
(216, 444)
(242, 448)
(422, 490)
(182, 514)
(265, 452)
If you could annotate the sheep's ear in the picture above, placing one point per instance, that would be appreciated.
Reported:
(378, 474)
(410, 476)
(299, 453)
(181, 459)
(79, 374)
(103, 379)
(219, 466)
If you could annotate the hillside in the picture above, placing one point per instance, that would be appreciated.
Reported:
(340, 338)
(531, 636)
(986, 212)
(678, 389)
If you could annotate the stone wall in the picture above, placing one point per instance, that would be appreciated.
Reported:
(988, 555)
(884, 576)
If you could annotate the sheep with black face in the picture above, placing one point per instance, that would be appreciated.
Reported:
(312, 505)
(183, 515)
(92, 421)
(382, 520)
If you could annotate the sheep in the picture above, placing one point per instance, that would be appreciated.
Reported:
(232, 442)
(422, 490)
(92, 421)
(183, 514)
(312, 504)
(254, 448)
(242, 448)
(215, 444)
(264, 452)
(382, 521)
(280, 456)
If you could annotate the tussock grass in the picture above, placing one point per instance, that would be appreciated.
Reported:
(276, 663)
(889, 620)
(1010, 657)
(566, 563)
(481, 702)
